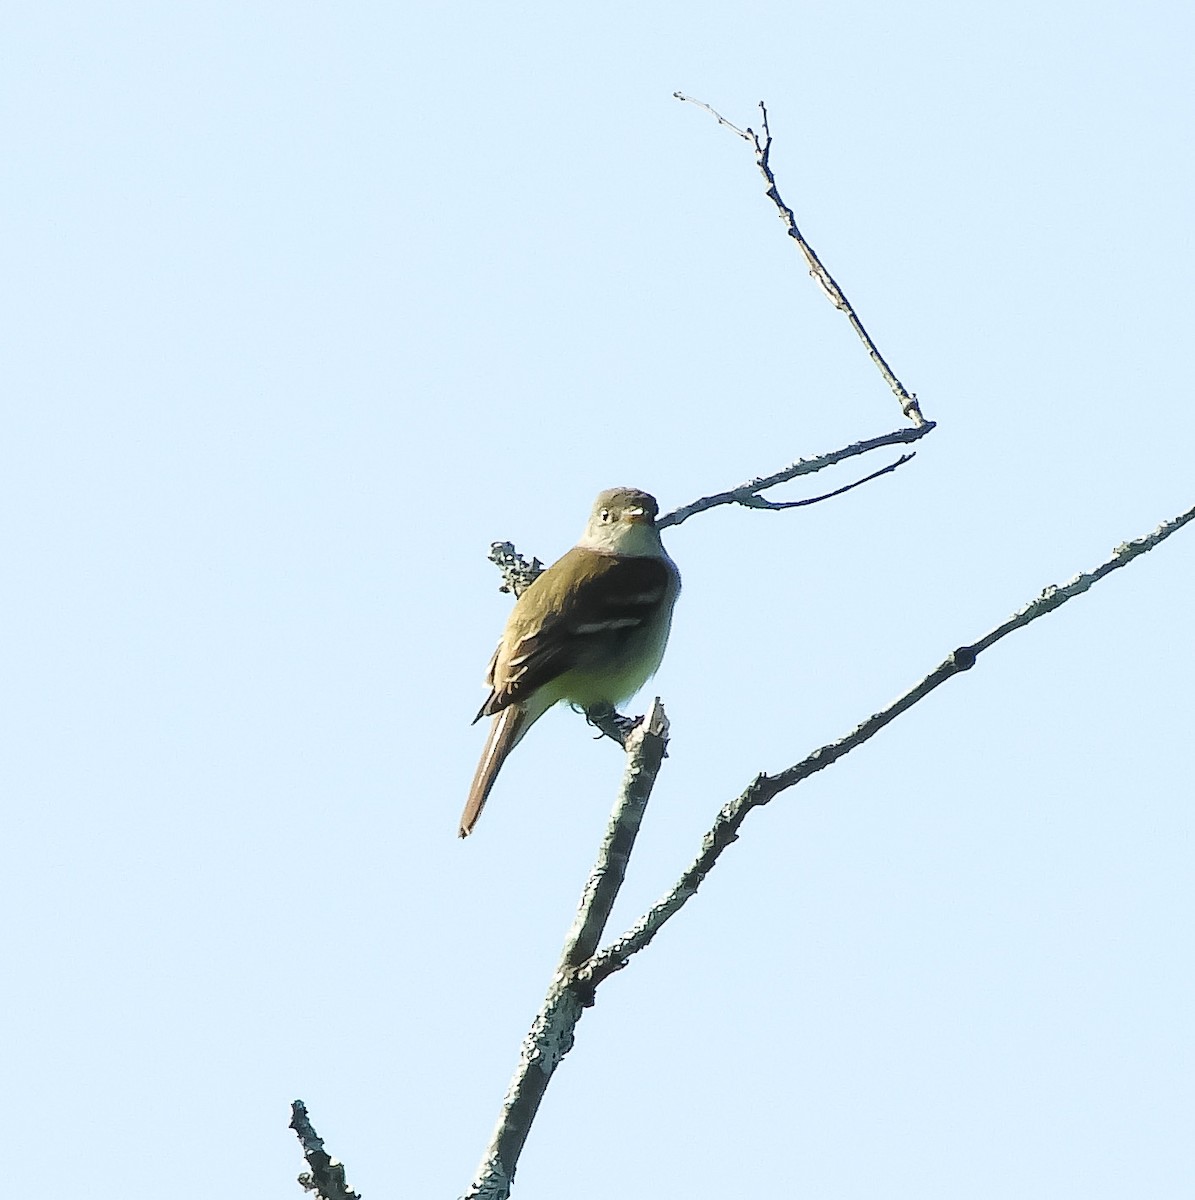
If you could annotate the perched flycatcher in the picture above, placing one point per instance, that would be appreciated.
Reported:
(590, 630)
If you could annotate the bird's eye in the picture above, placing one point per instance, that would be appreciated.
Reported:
(605, 514)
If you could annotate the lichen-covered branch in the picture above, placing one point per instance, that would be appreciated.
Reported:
(326, 1177)
(517, 573)
(552, 1031)
(764, 788)
(763, 149)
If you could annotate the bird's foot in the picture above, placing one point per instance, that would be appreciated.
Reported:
(610, 723)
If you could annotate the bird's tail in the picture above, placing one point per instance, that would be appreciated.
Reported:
(507, 728)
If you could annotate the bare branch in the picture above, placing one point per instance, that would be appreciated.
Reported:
(552, 1031)
(747, 494)
(764, 788)
(763, 150)
(646, 749)
(326, 1178)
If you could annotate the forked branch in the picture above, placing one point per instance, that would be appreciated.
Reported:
(764, 788)
(551, 1035)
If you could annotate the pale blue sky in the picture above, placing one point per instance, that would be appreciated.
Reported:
(306, 304)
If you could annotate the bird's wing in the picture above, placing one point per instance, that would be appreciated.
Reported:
(592, 607)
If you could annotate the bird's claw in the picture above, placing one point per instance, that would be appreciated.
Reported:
(610, 723)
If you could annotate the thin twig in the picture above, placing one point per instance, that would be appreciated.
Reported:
(553, 1029)
(326, 1178)
(745, 134)
(748, 493)
(781, 505)
(764, 788)
(763, 150)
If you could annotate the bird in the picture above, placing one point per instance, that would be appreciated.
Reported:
(590, 630)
